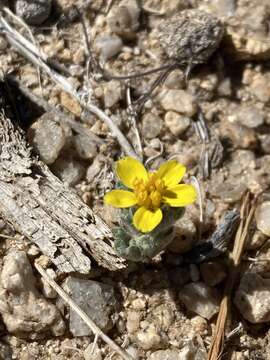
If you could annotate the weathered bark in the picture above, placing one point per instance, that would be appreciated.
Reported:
(39, 206)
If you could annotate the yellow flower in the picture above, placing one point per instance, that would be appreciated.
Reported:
(150, 190)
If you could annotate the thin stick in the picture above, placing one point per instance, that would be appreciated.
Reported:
(152, 158)
(25, 26)
(30, 51)
(217, 344)
(108, 76)
(132, 115)
(11, 237)
(63, 116)
(197, 186)
(96, 330)
(94, 344)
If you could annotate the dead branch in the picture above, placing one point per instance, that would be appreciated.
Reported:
(39, 206)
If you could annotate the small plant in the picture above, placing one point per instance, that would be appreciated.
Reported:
(150, 204)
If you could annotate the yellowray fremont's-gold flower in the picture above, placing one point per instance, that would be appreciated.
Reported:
(150, 190)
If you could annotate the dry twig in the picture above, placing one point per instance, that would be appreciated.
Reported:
(96, 330)
(247, 212)
(59, 116)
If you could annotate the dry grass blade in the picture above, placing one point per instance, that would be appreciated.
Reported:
(96, 330)
(217, 344)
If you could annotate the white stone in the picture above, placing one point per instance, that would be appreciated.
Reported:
(262, 216)
(179, 101)
(70, 171)
(149, 338)
(165, 355)
(133, 321)
(107, 46)
(151, 125)
(85, 147)
(95, 355)
(252, 298)
(47, 137)
(23, 309)
(176, 123)
(93, 170)
(123, 19)
(94, 298)
(200, 299)
(112, 93)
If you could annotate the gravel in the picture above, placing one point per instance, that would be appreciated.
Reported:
(24, 310)
(200, 299)
(96, 299)
(33, 12)
(252, 298)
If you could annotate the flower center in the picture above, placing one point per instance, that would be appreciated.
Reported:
(149, 193)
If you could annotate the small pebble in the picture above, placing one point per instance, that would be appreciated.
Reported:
(123, 19)
(33, 250)
(176, 123)
(260, 87)
(151, 125)
(175, 80)
(191, 35)
(95, 298)
(248, 116)
(241, 136)
(224, 8)
(133, 321)
(200, 299)
(85, 147)
(212, 273)
(93, 170)
(179, 101)
(47, 137)
(95, 355)
(252, 298)
(262, 216)
(112, 93)
(70, 103)
(200, 325)
(148, 338)
(107, 46)
(230, 191)
(193, 351)
(33, 12)
(70, 171)
(257, 240)
(165, 355)
(5, 351)
(264, 143)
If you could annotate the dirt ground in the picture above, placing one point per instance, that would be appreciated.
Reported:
(213, 118)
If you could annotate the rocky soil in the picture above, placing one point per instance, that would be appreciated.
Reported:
(213, 117)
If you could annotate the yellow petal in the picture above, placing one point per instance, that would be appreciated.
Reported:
(146, 220)
(180, 195)
(120, 198)
(171, 172)
(128, 169)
